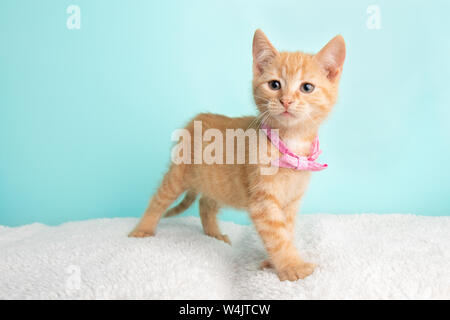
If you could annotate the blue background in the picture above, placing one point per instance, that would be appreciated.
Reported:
(86, 115)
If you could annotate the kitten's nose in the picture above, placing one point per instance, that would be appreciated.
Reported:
(286, 103)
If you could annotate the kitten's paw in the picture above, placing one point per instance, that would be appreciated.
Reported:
(297, 271)
(140, 234)
(266, 264)
(222, 237)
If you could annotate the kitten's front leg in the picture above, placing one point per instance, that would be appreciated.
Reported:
(290, 215)
(270, 222)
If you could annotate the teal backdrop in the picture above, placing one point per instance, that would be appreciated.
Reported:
(86, 115)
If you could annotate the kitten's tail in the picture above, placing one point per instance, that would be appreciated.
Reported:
(187, 201)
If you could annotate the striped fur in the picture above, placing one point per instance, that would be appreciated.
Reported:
(271, 200)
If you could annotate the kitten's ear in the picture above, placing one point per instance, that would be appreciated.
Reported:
(332, 57)
(263, 52)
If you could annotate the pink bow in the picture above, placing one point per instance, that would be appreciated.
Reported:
(291, 160)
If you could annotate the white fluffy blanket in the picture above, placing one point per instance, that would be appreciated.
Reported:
(359, 256)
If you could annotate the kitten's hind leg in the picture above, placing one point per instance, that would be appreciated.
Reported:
(209, 209)
(171, 188)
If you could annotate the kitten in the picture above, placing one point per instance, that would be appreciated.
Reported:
(294, 92)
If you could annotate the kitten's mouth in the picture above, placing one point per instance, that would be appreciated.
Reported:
(287, 114)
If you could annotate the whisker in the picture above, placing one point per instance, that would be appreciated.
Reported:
(263, 98)
(258, 125)
(264, 121)
(257, 118)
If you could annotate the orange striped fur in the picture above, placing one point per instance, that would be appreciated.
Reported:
(271, 200)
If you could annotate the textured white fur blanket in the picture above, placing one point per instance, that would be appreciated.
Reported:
(359, 256)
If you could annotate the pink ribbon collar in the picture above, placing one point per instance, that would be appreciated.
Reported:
(291, 160)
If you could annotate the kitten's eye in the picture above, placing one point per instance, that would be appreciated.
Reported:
(307, 87)
(275, 85)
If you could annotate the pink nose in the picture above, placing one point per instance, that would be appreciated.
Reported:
(286, 103)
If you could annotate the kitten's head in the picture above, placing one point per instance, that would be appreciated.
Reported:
(293, 88)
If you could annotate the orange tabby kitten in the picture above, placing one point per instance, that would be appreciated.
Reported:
(294, 92)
